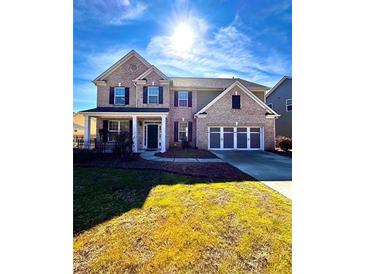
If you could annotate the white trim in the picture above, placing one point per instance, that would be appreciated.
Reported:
(121, 61)
(148, 71)
(125, 114)
(145, 125)
(243, 88)
(277, 85)
(248, 136)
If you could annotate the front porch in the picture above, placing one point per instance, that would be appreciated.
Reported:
(147, 130)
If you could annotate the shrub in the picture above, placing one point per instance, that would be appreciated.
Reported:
(185, 144)
(123, 145)
(84, 156)
(285, 143)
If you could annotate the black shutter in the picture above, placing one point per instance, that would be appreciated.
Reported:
(160, 95)
(236, 104)
(105, 131)
(127, 96)
(176, 131)
(176, 99)
(190, 99)
(144, 95)
(111, 95)
(190, 131)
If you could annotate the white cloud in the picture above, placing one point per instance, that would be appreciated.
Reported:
(227, 51)
(113, 12)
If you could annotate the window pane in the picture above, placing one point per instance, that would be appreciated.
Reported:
(183, 95)
(113, 125)
(153, 91)
(215, 140)
(242, 129)
(119, 91)
(124, 125)
(228, 129)
(183, 126)
(242, 140)
(119, 100)
(288, 108)
(255, 140)
(153, 99)
(228, 140)
(183, 103)
(182, 136)
(288, 102)
(254, 129)
(215, 129)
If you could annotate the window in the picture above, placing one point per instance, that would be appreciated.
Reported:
(119, 96)
(270, 105)
(183, 98)
(288, 105)
(236, 104)
(115, 127)
(153, 95)
(183, 131)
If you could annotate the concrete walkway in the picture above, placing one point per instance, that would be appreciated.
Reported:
(283, 187)
(150, 155)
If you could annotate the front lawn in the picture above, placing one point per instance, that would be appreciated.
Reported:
(186, 153)
(135, 221)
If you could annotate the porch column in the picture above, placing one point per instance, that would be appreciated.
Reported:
(86, 131)
(163, 133)
(135, 133)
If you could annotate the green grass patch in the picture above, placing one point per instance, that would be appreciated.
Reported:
(156, 222)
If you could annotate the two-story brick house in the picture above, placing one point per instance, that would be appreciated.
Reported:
(161, 111)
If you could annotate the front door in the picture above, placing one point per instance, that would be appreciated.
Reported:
(152, 136)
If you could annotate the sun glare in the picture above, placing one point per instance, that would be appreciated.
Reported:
(182, 39)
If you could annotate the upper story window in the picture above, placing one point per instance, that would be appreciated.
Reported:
(153, 95)
(270, 105)
(288, 105)
(119, 95)
(183, 99)
(236, 101)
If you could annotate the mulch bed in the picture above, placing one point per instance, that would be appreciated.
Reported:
(187, 153)
(207, 171)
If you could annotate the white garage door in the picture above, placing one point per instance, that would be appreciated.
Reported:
(245, 138)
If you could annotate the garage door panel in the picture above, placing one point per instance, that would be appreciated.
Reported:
(255, 140)
(228, 139)
(215, 138)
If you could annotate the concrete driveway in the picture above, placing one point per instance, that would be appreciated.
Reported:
(263, 165)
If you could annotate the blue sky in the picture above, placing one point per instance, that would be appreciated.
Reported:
(247, 39)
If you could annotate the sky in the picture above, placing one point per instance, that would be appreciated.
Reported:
(250, 39)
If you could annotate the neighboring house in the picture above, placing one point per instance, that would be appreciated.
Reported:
(279, 98)
(78, 128)
(161, 111)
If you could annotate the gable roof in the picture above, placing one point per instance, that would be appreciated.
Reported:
(219, 83)
(148, 71)
(246, 90)
(278, 84)
(121, 61)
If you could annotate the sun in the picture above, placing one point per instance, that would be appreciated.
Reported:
(182, 38)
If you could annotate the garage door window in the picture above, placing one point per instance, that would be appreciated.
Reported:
(228, 137)
(215, 137)
(241, 137)
(255, 137)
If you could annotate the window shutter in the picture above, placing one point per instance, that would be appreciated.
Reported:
(105, 131)
(236, 104)
(190, 131)
(176, 131)
(111, 95)
(144, 95)
(127, 96)
(160, 95)
(176, 99)
(190, 99)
